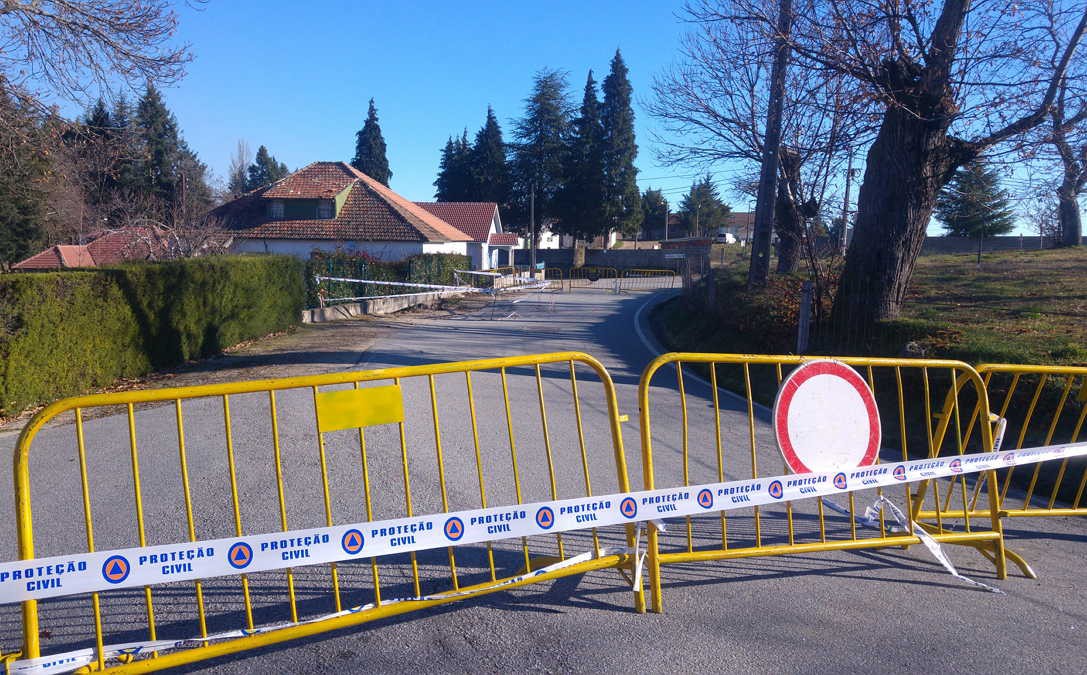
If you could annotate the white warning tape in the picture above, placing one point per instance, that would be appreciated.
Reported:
(73, 660)
(145, 566)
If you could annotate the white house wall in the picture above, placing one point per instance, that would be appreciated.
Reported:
(391, 251)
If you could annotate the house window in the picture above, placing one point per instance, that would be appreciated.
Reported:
(275, 209)
(324, 208)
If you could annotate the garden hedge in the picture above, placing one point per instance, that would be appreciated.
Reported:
(64, 333)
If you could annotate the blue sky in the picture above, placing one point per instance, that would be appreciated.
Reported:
(298, 81)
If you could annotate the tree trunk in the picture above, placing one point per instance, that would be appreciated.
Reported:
(1068, 213)
(759, 269)
(908, 164)
(788, 221)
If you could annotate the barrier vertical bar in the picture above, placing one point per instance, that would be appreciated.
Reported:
(189, 512)
(236, 506)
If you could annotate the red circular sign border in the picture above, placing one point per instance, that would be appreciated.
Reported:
(789, 388)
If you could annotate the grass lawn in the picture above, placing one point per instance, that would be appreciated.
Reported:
(1021, 306)
(1017, 306)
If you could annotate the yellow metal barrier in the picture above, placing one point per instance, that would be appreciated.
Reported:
(556, 274)
(719, 435)
(592, 276)
(1038, 405)
(648, 279)
(197, 463)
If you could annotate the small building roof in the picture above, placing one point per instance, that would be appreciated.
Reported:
(108, 247)
(370, 211)
(502, 239)
(472, 218)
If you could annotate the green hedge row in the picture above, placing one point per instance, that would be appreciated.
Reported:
(66, 332)
(428, 268)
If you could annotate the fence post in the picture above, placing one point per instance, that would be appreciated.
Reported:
(803, 325)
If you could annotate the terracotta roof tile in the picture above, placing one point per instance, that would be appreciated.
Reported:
(502, 239)
(108, 247)
(371, 211)
(319, 180)
(472, 218)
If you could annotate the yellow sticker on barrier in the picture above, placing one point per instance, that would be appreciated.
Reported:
(354, 408)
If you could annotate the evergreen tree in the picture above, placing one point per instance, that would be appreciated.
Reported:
(702, 211)
(264, 170)
(125, 143)
(23, 168)
(370, 149)
(973, 205)
(100, 158)
(581, 200)
(159, 152)
(539, 149)
(490, 172)
(620, 150)
(238, 173)
(455, 182)
(166, 173)
(654, 211)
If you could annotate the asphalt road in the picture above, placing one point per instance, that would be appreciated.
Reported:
(882, 611)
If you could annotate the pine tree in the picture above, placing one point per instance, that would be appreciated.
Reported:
(264, 170)
(166, 172)
(159, 152)
(455, 181)
(539, 149)
(490, 171)
(581, 200)
(370, 149)
(620, 150)
(702, 211)
(973, 205)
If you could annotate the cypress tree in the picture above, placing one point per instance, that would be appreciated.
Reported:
(490, 172)
(370, 149)
(264, 170)
(539, 148)
(620, 150)
(702, 210)
(654, 211)
(581, 200)
(454, 182)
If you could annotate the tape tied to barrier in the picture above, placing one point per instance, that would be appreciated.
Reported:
(151, 565)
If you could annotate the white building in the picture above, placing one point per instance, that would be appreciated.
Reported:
(490, 246)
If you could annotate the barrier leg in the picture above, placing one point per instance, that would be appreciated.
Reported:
(999, 552)
(654, 571)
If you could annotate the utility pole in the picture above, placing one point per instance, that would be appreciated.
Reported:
(844, 240)
(666, 223)
(759, 271)
(532, 225)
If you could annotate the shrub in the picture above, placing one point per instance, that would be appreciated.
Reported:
(63, 333)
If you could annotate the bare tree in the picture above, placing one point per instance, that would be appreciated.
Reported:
(78, 48)
(1067, 134)
(714, 103)
(953, 78)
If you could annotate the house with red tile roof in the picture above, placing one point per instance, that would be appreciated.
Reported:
(108, 247)
(490, 246)
(329, 206)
